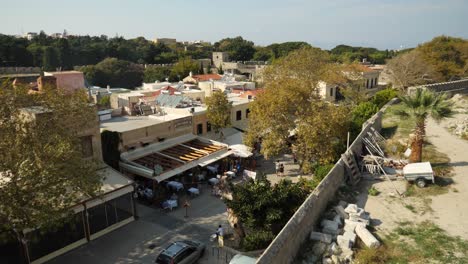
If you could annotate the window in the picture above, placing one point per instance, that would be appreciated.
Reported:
(184, 254)
(247, 112)
(199, 129)
(331, 91)
(87, 146)
(238, 115)
(208, 127)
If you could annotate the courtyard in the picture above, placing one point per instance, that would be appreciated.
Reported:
(142, 240)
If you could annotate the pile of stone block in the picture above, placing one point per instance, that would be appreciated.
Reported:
(339, 231)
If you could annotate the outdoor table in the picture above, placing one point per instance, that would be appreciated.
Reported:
(213, 181)
(231, 174)
(213, 169)
(175, 185)
(171, 204)
(193, 191)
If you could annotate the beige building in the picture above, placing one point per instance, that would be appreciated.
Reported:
(91, 218)
(165, 41)
(68, 80)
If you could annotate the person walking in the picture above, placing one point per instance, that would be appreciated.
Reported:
(220, 234)
(281, 169)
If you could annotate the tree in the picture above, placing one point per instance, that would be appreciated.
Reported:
(419, 106)
(321, 135)
(156, 73)
(114, 72)
(238, 48)
(273, 207)
(50, 59)
(42, 172)
(410, 69)
(218, 111)
(447, 55)
(183, 68)
(290, 98)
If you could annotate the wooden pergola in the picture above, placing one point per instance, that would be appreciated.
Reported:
(178, 155)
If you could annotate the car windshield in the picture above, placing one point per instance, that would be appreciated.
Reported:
(163, 259)
(174, 249)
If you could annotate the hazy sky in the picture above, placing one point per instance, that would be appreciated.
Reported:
(377, 23)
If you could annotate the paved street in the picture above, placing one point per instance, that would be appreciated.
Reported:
(132, 243)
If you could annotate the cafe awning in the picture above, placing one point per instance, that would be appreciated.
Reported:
(163, 160)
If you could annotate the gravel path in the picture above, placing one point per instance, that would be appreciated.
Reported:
(451, 209)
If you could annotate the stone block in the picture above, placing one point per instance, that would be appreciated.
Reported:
(330, 227)
(367, 237)
(335, 260)
(327, 260)
(351, 208)
(338, 220)
(349, 228)
(351, 236)
(319, 248)
(343, 204)
(344, 242)
(317, 236)
(334, 249)
(341, 211)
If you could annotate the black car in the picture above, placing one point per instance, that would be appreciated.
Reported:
(181, 252)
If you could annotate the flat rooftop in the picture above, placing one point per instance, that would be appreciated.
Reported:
(128, 123)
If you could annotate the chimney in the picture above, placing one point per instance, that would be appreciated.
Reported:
(190, 74)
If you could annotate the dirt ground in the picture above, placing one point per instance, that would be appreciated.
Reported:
(449, 211)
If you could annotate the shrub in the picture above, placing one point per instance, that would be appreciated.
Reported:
(384, 96)
(373, 191)
(259, 239)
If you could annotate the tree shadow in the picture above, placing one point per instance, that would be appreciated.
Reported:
(389, 132)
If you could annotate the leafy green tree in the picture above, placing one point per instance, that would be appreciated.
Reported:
(273, 207)
(291, 99)
(50, 59)
(283, 49)
(114, 72)
(42, 172)
(156, 73)
(238, 48)
(263, 54)
(447, 55)
(420, 106)
(64, 54)
(218, 111)
(384, 96)
(183, 67)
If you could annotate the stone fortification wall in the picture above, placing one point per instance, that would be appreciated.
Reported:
(284, 248)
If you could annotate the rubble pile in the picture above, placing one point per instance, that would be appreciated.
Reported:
(343, 225)
(459, 128)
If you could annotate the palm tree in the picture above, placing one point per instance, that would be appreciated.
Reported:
(419, 106)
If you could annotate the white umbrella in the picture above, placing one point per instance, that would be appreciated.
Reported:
(241, 150)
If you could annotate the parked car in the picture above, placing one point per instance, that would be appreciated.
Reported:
(241, 259)
(181, 252)
(420, 173)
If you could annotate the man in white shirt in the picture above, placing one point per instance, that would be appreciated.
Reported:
(220, 234)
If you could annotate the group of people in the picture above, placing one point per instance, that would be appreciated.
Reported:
(279, 168)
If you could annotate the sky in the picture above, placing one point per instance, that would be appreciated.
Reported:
(384, 24)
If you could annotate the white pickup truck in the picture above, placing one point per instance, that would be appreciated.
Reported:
(420, 173)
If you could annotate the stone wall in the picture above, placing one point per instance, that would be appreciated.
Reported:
(460, 86)
(19, 70)
(284, 248)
